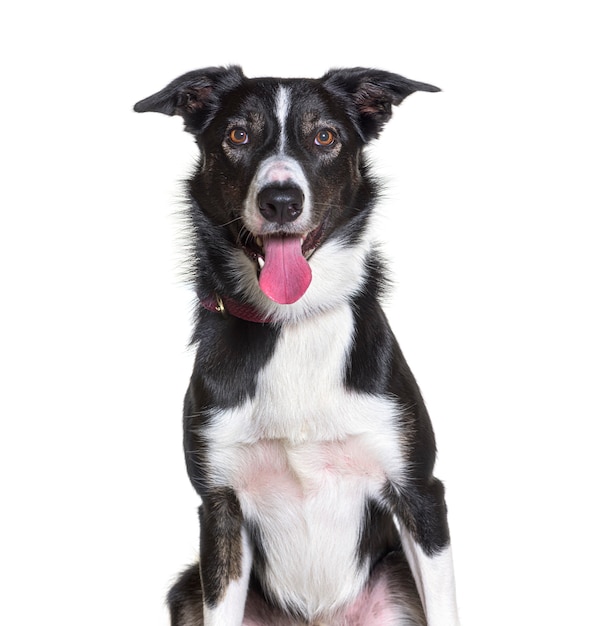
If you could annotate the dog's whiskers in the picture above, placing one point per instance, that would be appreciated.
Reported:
(331, 205)
(235, 219)
(244, 232)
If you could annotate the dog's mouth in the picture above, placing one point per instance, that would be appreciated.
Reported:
(282, 262)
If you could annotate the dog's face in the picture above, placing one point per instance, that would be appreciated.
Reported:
(282, 162)
(281, 165)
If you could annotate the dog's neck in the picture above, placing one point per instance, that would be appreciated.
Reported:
(230, 307)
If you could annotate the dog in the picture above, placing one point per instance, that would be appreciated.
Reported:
(305, 433)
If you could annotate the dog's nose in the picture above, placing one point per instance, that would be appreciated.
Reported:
(280, 204)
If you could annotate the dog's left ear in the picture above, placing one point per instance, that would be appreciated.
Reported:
(369, 95)
(195, 95)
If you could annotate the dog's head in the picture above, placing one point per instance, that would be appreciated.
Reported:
(281, 160)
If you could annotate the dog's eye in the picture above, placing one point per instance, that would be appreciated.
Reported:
(238, 136)
(325, 138)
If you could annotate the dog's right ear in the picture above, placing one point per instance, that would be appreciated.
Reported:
(194, 96)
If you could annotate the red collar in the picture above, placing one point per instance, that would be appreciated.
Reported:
(241, 310)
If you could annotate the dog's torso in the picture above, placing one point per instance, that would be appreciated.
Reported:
(305, 433)
(305, 456)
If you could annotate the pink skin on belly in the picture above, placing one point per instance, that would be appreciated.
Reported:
(265, 467)
(265, 473)
(371, 608)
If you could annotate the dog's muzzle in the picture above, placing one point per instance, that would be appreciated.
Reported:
(278, 214)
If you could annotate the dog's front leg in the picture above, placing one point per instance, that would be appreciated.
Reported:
(225, 559)
(422, 517)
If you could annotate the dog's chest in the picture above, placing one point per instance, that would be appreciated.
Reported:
(304, 456)
(303, 414)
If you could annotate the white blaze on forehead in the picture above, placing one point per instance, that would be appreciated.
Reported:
(281, 169)
(278, 169)
(282, 106)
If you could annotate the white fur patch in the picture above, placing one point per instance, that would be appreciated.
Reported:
(435, 581)
(229, 612)
(303, 456)
(282, 107)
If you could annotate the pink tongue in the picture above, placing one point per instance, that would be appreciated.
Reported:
(286, 275)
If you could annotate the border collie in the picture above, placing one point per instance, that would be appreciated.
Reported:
(305, 433)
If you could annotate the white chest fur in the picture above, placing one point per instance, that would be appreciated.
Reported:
(303, 456)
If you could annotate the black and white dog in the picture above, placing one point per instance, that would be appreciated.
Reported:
(306, 436)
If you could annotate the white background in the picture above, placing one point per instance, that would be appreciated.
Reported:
(486, 223)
